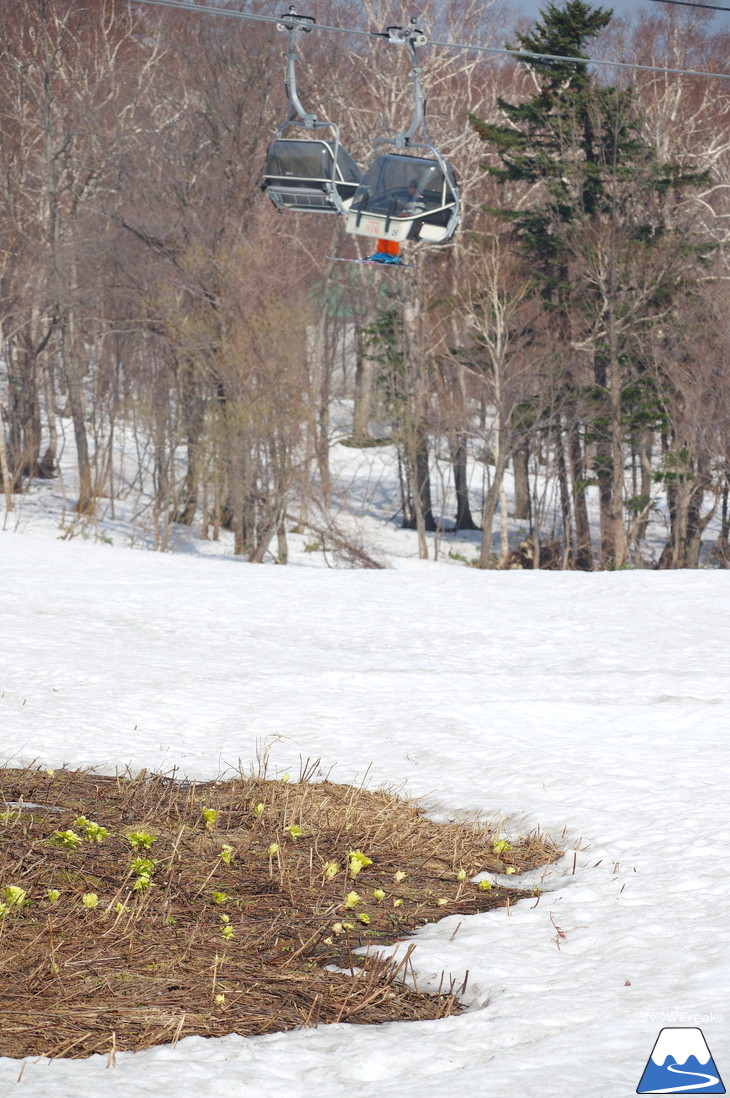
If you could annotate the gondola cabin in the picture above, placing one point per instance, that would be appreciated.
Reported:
(309, 175)
(404, 197)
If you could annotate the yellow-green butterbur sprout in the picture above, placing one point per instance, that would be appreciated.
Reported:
(461, 875)
(95, 833)
(501, 846)
(443, 901)
(364, 918)
(227, 931)
(219, 1000)
(510, 870)
(226, 854)
(348, 926)
(145, 867)
(4, 910)
(210, 816)
(50, 773)
(484, 885)
(358, 861)
(273, 850)
(338, 928)
(258, 810)
(399, 876)
(89, 900)
(352, 899)
(218, 897)
(378, 895)
(53, 895)
(397, 903)
(7, 816)
(66, 839)
(330, 870)
(142, 883)
(14, 896)
(286, 777)
(225, 918)
(295, 831)
(120, 908)
(140, 838)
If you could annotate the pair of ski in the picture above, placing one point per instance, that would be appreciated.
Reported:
(370, 262)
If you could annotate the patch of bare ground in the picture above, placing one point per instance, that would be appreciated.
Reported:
(138, 910)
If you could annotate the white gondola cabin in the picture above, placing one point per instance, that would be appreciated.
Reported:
(403, 197)
(309, 175)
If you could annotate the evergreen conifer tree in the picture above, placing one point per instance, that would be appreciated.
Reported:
(577, 142)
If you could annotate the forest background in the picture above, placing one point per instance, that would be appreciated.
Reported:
(157, 309)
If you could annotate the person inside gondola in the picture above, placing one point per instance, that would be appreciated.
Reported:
(388, 251)
(414, 203)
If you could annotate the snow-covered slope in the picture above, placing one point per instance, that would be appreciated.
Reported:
(594, 706)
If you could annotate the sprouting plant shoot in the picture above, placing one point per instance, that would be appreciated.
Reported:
(364, 918)
(145, 867)
(227, 931)
(461, 875)
(258, 810)
(484, 885)
(378, 895)
(53, 895)
(501, 846)
(218, 897)
(142, 883)
(358, 861)
(295, 831)
(90, 900)
(140, 839)
(273, 850)
(352, 899)
(14, 896)
(226, 854)
(66, 839)
(399, 876)
(210, 816)
(330, 870)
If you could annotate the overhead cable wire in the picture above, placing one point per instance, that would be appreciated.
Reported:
(519, 55)
(690, 4)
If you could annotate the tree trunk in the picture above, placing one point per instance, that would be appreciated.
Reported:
(583, 547)
(621, 552)
(569, 551)
(520, 464)
(363, 394)
(73, 376)
(457, 447)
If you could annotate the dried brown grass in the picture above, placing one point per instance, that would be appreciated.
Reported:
(157, 968)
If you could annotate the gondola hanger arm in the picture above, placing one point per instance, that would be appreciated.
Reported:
(291, 23)
(410, 36)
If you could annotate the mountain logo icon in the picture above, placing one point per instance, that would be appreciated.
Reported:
(680, 1063)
